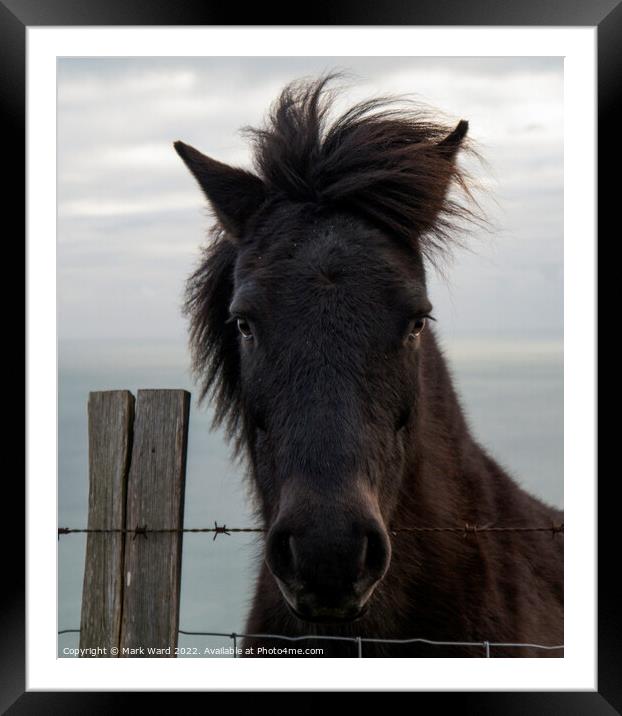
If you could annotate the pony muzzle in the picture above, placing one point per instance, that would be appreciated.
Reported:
(328, 575)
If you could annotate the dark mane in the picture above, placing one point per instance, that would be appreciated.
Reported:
(379, 159)
(213, 340)
(383, 159)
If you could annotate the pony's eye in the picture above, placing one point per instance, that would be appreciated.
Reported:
(245, 329)
(415, 328)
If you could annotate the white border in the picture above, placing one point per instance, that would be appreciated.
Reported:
(577, 670)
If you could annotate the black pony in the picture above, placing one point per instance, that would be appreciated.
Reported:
(310, 330)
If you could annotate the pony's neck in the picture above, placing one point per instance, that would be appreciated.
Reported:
(440, 447)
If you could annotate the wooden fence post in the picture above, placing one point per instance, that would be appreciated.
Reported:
(110, 418)
(155, 499)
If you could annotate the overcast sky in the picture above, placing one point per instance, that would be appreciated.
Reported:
(131, 219)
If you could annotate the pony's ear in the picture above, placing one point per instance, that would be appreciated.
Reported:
(453, 141)
(434, 211)
(235, 194)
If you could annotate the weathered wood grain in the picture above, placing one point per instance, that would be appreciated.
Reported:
(110, 419)
(155, 498)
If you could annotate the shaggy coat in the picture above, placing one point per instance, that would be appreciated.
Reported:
(310, 331)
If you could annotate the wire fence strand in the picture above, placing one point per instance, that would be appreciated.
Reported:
(486, 646)
(465, 529)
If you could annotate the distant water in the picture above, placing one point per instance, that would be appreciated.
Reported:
(512, 394)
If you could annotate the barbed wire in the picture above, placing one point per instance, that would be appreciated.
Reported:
(359, 640)
(144, 530)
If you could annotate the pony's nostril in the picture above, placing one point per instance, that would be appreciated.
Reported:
(280, 554)
(376, 553)
(361, 565)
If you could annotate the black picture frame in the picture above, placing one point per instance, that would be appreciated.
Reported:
(17, 15)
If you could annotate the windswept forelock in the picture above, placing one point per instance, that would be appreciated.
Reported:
(384, 158)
